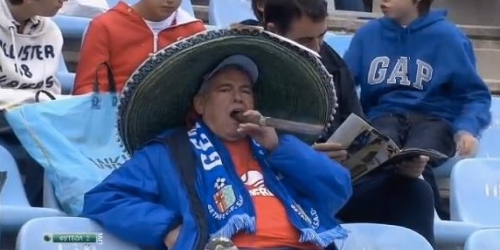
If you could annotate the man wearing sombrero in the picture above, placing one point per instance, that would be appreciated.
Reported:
(220, 177)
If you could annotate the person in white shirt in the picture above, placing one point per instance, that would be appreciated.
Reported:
(30, 50)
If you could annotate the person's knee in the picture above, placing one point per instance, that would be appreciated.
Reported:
(421, 193)
(422, 187)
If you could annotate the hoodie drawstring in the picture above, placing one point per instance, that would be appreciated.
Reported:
(13, 31)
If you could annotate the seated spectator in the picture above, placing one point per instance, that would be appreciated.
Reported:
(126, 35)
(419, 83)
(304, 22)
(31, 45)
(248, 184)
(381, 197)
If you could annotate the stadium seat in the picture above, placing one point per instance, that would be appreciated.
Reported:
(444, 170)
(187, 6)
(339, 42)
(41, 234)
(475, 191)
(222, 13)
(72, 27)
(378, 236)
(453, 233)
(66, 78)
(112, 3)
(488, 239)
(488, 146)
(211, 27)
(49, 197)
(15, 209)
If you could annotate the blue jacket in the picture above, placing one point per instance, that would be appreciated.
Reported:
(428, 67)
(145, 198)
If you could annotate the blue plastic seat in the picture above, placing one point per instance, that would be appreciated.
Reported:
(66, 78)
(72, 27)
(339, 42)
(488, 239)
(475, 191)
(453, 233)
(222, 13)
(187, 6)
(211, 27)
(49, 196)
(15, 209)
(378, 236)
(488, 146)
(444, 170)
(39, 234)
(112, 3)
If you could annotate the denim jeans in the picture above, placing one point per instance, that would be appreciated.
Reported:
(420, 131)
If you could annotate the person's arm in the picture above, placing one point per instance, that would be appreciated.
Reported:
(470, 89)
(95, 51)
(348, 98)
(353, 57)
(311, 173)
(126, 202)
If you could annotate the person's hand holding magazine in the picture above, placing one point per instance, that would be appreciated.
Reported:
(333, 150)
(412, 167)
(361, 148)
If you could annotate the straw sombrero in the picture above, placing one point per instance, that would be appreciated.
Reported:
(292, 83)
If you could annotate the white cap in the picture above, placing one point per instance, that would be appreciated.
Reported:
(242, 61)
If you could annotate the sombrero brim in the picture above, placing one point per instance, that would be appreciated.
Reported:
(292, 83)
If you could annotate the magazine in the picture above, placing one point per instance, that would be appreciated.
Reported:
(3, 179)
(368, 149)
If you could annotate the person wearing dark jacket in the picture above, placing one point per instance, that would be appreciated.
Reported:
(395, 196)
(344, 82)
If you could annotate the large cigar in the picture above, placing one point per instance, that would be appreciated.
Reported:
(281, 124)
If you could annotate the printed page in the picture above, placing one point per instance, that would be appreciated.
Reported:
(366, 147)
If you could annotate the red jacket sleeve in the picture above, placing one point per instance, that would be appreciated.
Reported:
(95, 51)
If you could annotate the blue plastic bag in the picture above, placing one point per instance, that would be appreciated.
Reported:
(74, 139)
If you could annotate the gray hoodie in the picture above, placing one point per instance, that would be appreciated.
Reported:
(28, 59)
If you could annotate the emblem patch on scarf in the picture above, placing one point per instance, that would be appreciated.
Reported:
(224, 197)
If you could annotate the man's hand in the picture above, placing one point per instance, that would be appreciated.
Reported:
(467, 144)
(265, 136)
(333, 150)
(171, 237)
(412, 168)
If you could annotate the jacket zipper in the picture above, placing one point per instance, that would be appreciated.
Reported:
(155, 42)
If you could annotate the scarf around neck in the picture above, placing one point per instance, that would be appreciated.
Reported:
(229, 204)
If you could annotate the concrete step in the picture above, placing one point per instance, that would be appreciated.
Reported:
(476, 12)
(488, 61)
